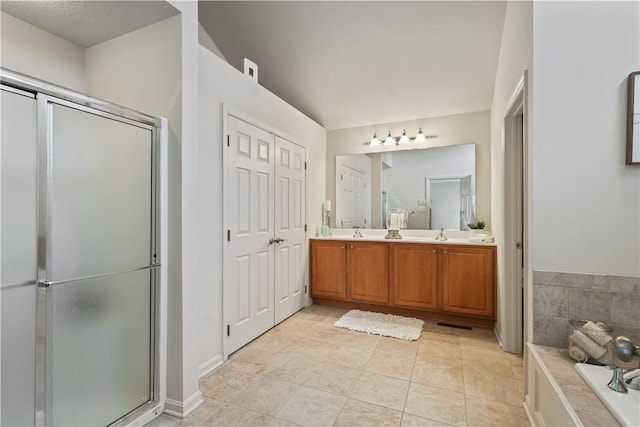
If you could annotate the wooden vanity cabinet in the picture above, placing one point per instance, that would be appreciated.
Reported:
(446, 282)
(328, 269)
(368, 272)
(414, 276)
(354, 271)
(468, 280)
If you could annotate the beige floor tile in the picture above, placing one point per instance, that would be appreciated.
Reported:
(487, 343)
(231, 415)
(350, 357)
(481, 412)
(397, 365)
(409, 420)
(397, 346)
(209, 408)
(443, 350)
(479, 383)
(289, 368)
(165, 420)
(360, 414)
(604, 419)
(430, 336)
(223, 383)
(277, 422)
(243, 366)
(333, 378)
(309, 407)
(264, 394)
(432, 403)
(437, 360)
(434, 375)
(260, 383)
(380, 390)
(491, 362)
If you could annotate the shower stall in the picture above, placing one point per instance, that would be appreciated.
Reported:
(80, 258)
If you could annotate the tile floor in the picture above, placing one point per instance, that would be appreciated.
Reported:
(306, 372)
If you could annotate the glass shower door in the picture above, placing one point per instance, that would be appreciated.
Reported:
(98, 267)
(18, 284)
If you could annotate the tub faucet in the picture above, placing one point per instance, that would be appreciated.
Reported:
(356, 232)
(441, 236)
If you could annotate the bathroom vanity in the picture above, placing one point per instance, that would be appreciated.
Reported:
(452, 281)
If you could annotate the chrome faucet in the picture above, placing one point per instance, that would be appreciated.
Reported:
(441, 236)
(631, 378)
(617, 381)
(356, 232)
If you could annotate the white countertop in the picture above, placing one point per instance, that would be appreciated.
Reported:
(408, 236)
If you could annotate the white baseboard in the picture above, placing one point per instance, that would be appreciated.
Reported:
(209, 365)
(182, 409)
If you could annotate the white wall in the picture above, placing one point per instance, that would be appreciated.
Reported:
(37, 53)
(451, 130)
(586, 202)
(516, 55)
(220, 84)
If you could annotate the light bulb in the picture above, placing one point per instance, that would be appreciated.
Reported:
(420, 137)
(404, 139)
(374, 141)
(390, 140)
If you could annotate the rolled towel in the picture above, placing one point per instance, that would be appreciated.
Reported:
(597, 332)
(578, 354)
(592, 348)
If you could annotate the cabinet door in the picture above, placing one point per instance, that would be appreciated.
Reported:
(414, 276)
(328, 269)
(368, 272)
(468, 280)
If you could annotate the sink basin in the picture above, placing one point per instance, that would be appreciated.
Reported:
(623, 406)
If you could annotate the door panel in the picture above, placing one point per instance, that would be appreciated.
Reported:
(100, 351)
(368, 272)
(415, 276)
(101, 185)
(248, 304)
(289, 226)
(18, 284)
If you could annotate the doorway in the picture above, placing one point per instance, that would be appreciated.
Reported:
(516, 243)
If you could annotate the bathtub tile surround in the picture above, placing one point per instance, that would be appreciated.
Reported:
(306, 372)
(558, 297)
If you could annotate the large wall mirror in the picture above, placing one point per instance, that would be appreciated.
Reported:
(437, 186)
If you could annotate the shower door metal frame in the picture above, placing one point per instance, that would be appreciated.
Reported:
(46, 96)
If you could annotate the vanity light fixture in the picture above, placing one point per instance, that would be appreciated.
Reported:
(390, 140)
(404, 139)
(374, 141)
(399, 140)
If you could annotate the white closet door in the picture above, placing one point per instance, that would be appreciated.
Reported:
(248, 278)
(290, 253)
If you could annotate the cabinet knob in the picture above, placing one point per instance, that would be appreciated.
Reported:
(445, 252)
(342, 246)
(350, 246)
(434, 251)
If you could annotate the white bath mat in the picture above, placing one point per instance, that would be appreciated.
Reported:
(388, 325)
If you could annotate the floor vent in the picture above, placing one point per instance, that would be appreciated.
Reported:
(449, 325)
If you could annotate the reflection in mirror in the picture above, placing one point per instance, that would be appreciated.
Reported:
(436, 185)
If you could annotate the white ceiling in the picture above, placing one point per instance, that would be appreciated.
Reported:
(354, 63)
(86, 23)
